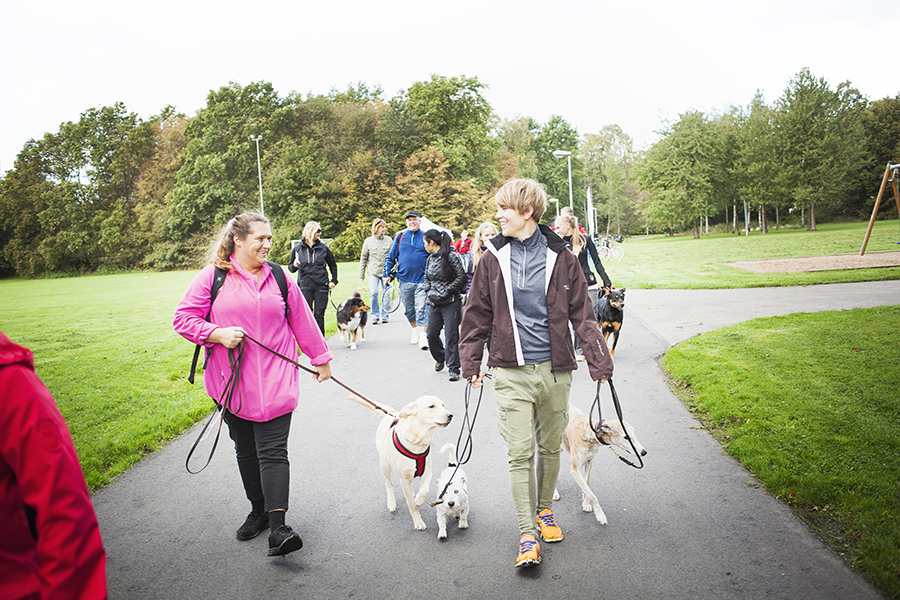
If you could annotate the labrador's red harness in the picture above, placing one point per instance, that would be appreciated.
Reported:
(419, 458)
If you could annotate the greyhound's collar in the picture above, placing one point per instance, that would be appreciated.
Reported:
(419, 458)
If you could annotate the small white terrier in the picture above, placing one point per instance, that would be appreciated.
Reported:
(455, 501)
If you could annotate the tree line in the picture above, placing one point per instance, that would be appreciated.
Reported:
(114, 191)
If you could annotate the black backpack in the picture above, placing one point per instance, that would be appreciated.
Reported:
(218, 282)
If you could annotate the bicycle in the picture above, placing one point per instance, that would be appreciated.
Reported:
(610, 248)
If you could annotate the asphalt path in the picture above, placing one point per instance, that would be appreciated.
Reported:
(692, 523)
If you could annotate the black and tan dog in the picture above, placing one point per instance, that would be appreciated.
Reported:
(610, 317)
(352, 315)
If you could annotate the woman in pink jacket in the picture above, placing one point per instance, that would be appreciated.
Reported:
(258, 406)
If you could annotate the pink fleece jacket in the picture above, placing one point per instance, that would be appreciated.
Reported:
(269, 386)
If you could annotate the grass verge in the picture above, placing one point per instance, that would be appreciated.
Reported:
(685, 263)
(808, 404)
(105, 347)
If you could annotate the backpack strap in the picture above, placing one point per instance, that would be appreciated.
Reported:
(278, 272)
(218, 281)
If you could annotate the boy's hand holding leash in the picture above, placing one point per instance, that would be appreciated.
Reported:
(476, 381)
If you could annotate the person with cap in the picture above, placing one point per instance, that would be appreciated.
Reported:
(409, 256)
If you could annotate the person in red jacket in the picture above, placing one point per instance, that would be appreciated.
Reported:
(464, 244)
(50, 546)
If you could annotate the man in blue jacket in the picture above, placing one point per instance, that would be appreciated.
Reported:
(409, 254)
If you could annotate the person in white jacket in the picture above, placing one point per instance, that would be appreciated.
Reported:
(374, 251)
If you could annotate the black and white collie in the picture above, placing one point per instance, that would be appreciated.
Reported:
(352, 315)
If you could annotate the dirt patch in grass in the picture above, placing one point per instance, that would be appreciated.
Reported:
(820, 263)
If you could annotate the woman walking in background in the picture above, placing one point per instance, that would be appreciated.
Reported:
(310, 257)
(445, 280)
(375, 249)
(582, 246)
(484, 232)
(260, 400)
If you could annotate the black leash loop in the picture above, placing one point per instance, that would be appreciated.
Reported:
(618, 408)
(330, 301)
(235, 357)
(463, 455)
(219, 412)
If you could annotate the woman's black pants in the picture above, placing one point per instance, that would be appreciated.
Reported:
(445, 317)
(318, 301)
(262, 458)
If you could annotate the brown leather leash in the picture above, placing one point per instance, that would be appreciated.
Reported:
(232, 385)
(374, 405)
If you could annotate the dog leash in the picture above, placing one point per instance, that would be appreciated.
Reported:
(374, 405)
(330, 301)
(618, 408)
(462, 457)
(386, 293)
(235, 358)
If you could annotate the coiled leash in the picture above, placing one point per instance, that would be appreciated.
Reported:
(386, 294)
(464, 452)
(235, 357)
(618, 407)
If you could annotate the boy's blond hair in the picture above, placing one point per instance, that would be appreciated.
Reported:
(519, 194)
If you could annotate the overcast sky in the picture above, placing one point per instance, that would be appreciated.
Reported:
(635, 64)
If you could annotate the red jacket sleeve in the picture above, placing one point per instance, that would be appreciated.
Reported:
(39, 469)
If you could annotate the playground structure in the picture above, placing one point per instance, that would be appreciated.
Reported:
(891, 174)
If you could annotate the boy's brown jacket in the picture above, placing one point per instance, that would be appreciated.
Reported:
(489, 313)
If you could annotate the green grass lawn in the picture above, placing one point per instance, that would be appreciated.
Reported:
(105, 347)
(685, 263)
(809, 404)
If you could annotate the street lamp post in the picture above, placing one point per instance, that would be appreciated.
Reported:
(568, 155)
(556, 202)
(256, 139)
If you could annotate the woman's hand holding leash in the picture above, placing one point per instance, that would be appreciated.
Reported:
(229, 337)
(323, 372)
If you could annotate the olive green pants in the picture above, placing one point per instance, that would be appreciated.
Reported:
(532, 405)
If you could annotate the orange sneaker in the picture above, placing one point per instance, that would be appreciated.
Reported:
(529, 552)
(550, 531)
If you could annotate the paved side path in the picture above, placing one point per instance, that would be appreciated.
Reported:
(692, 524)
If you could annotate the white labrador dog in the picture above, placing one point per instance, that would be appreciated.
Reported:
(582, 444)
(403, 444)
(455, 501)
